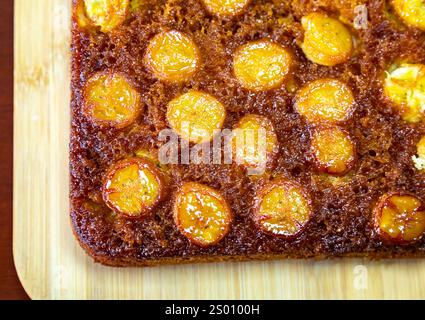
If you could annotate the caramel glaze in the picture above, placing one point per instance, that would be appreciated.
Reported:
(341, 222)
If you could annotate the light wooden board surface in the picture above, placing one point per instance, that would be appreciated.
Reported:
(49, 261)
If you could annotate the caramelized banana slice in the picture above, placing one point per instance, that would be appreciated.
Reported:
(400, 218)
(202, 214)
(333, 150)
(405, 87)
(133, 187)
(226, 7)
(172, 56)
(107, 14)
(261, 65)
(248, 148)
(325, 100)
(195, 115)
(326, 40)
(411, 11)
(80, 15)
(282, 209)
(419, 159)
(110, 98)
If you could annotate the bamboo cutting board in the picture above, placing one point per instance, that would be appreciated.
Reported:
(49, 261)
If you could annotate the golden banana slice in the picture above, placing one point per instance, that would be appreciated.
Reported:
(419, 158)
(405, 87)
(400, 218)
(411, 11)
(107, 14)
(282, 209)
(133, 187)
(255, 141)
(172, 56)
(226, 7)
(111, 99)
(195, 116)
(261, 65)
(327, 100)
(81, 16)
(326, 40)
(333, 150)
(202, 214)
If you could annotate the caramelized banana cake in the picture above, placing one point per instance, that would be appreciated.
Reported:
(338, 87)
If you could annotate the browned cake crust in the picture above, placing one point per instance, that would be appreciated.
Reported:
(341, 223)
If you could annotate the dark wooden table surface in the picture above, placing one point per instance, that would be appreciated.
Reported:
(10, 287)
